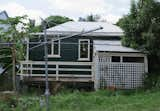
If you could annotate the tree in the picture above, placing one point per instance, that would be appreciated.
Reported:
(55, 20)
(51, 20)
(14, 51)
(32, 27)
(90, 18)
(142, 30)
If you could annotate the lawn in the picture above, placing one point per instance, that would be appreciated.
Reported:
(85, 101)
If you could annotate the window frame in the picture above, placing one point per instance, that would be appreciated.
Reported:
(52, 49)
(79, 53)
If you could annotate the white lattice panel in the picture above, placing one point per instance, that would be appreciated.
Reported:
(120, 75)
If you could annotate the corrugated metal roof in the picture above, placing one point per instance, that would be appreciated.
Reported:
(77, 27)
(111, 46)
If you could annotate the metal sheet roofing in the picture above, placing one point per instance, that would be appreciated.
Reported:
(111, 46)
(77, 27)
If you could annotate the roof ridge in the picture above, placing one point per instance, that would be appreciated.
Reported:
(90, 22)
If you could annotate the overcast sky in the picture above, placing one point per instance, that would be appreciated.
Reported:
(110, 10)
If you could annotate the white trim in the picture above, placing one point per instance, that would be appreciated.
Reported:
(27, 49)
(52, 49)
(84, 59)
(97, 34)
(55, 56)
(56, 62)
(121, 55)
(128, 54)
(73, 32)
(146, 64)
(54, 75)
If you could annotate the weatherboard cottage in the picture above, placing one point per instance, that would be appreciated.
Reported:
(97, 57)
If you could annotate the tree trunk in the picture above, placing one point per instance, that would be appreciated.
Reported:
(14, 67)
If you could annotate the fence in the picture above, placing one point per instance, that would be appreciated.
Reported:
(120, 75)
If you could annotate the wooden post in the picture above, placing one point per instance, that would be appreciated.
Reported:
(31, 68)
(21, 71)
(27, 49)
(96, 77)
(57, 72)
(14, 67)
(146, 64)
(93, 71)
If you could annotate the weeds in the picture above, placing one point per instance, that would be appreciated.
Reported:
(101, 100)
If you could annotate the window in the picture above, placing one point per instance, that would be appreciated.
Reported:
(133, 59)
(54, 49)
(84, 49)
(115, 58)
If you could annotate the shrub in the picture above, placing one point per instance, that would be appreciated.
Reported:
(152, 81)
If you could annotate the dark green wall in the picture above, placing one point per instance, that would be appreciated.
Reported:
(69, 50)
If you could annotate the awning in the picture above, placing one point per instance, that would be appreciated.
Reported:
(112, 46)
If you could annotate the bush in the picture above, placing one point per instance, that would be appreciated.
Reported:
(9, 99)
(6, 82)
(152, 81)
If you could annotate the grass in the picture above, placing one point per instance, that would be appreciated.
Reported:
(86, 101)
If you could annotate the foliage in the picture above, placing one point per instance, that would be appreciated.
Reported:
(11, 53)
(151, 81)
(15, 34)
(142, 30)
(55, 20)
(35, 28)
(87, 101)
(5, 81)
(91, 18)
(51, 20)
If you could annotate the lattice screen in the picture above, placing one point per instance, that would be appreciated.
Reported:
(120, 75)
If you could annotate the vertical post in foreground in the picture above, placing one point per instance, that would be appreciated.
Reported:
(14, 67)
(47, 93)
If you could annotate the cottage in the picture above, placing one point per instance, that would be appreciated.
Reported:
(96, 57)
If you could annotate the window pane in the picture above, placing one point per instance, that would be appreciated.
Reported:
(133, 59)
(56, 48)
(115, 58)
(84, 49)
(49, 49)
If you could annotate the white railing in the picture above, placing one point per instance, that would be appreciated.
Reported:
(58, 70)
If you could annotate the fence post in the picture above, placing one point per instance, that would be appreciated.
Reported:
(146, 64)
(21, 71)
(93, 70)
(31, 69)
(97, 72)
(57, 71)
(21, 68)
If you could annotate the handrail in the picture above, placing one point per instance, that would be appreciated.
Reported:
(28, 68)
(55, 62)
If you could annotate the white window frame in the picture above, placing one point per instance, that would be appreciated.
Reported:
(84, 59)
(52, 49)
